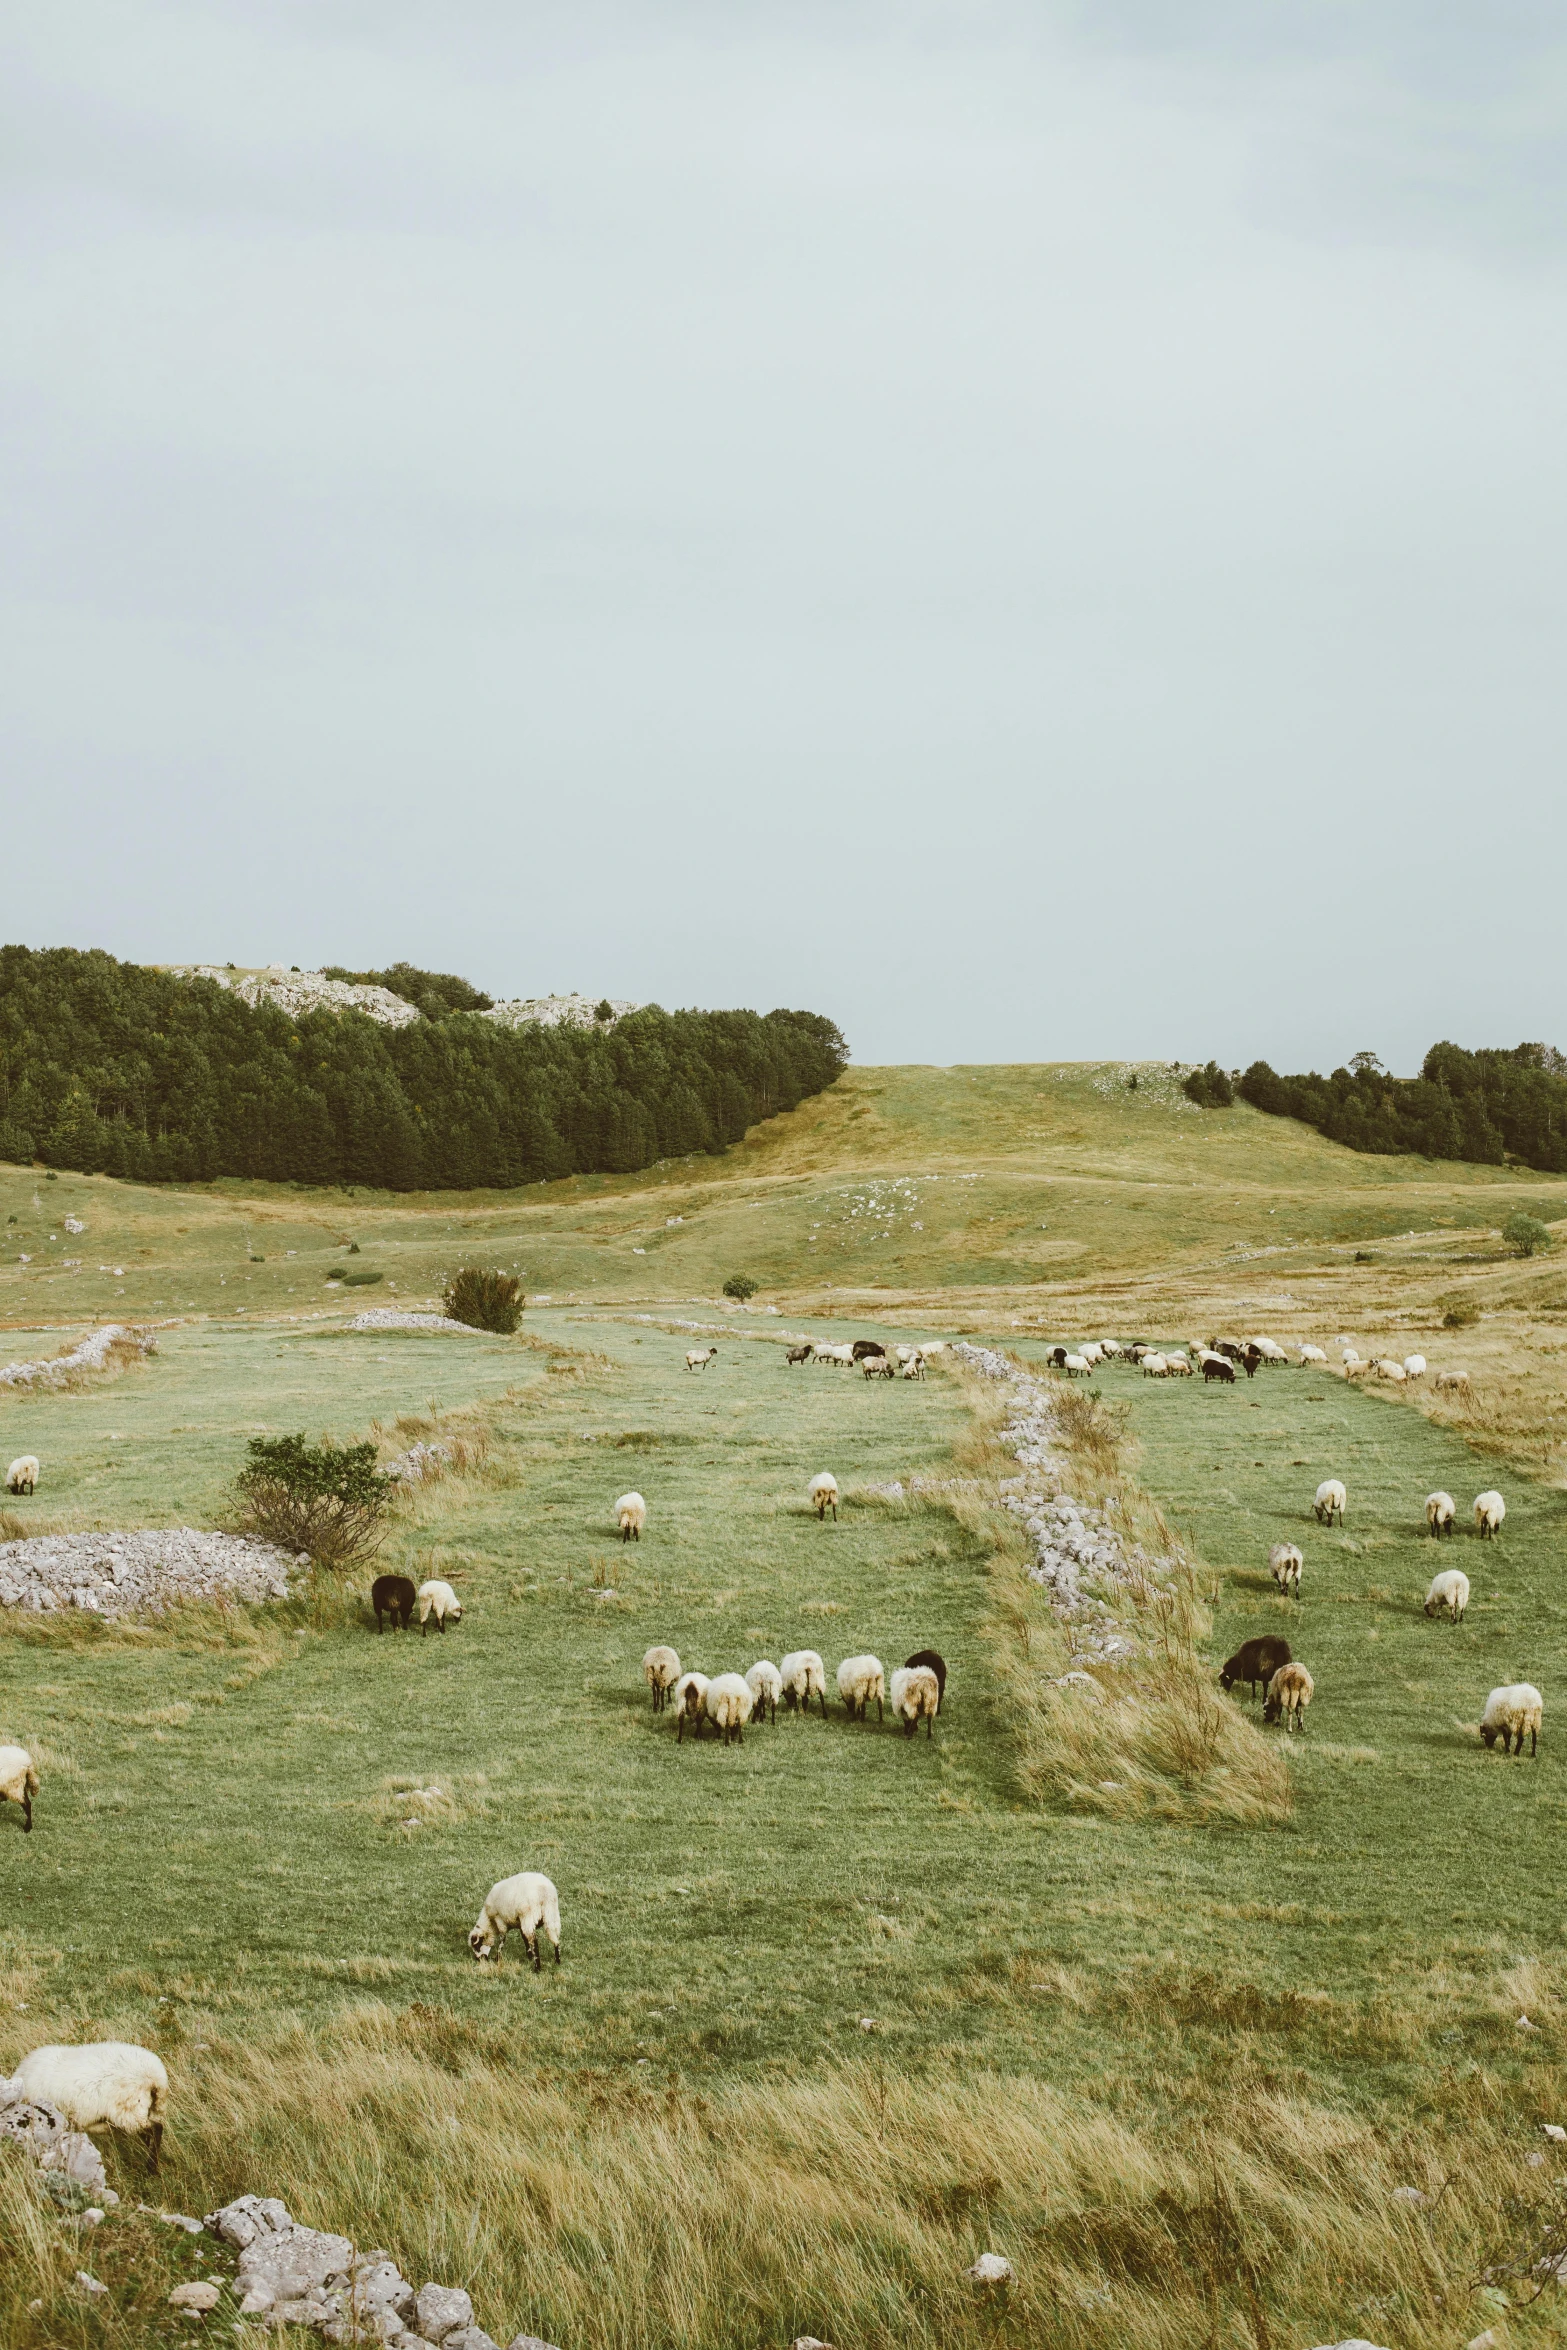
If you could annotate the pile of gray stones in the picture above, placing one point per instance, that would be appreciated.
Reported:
(1089, 1569)
(112, 1574)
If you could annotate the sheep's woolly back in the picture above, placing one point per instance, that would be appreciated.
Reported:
(18, 1773)
(803, 1674)
(661, 1668)
(765, 1682)
(526, 1902)
(915, 1692)
(24, 1470)
(631, 1509)
(1449, 1591)
(1490, 1509)
(691, 1694)
(823, 1482)
(860, 1678)
(728, 1701)
(107, 2083)
(438, 1599)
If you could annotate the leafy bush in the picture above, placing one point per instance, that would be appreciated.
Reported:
(1209, 1088)
(741, 1285)
(1525, 1235)
(327, 1499)
(1462, 1314)
(485, 1301)
(359, 1278)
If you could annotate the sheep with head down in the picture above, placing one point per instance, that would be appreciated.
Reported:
(915, 1697)
(803, 1676)
(631, 1516)
(101, 2084)
(860, 1678)
(19, 1782)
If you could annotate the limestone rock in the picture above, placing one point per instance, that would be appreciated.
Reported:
(194, 2296)
(248, 2218)
(469, 2338)
(286, 2268)
(440, 2310)
(991, 2268)
(536, 2342)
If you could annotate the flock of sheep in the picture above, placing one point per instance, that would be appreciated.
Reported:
(1220, 1359)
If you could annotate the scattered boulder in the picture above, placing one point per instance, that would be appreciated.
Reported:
(991, 2268)
(440, 2310)
(294, 2275)
(194, 2296)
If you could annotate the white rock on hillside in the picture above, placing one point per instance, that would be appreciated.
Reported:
(91, 1355)
(556, 1011)
(109, 1574)
(305, 991)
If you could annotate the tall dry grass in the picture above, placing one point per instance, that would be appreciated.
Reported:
(1148, 1734)
(608, 2216)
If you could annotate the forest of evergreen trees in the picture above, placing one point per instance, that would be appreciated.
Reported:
(1486, 1106)
(109, 1067)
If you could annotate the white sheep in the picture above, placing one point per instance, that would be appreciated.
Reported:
(1076, 1366)
(1348, 1356)
(1452, 1379)
(1178, 1367)
(1359, 1370)
(631, 1516)
(1490, 1510)
(822, 1494)
(1441, 1510)
(527, 1901)
(877, 1367)
(1289, 1693)
(689, 1700)
(860, 1678)
(660, 1670)
(1449, 1594)
(1414, 1366)
(438, 1599)
(699, 1357)
(843, 1356)
(1285, 1563)
(1110, 1347)
(1311, 1354)
(103, 2084)
(22, 1475)
(1270, 1350)
(1386, 1367)
(1155, 1367)
(19, 1781)
(1331, 1499)
(803, 1676)
(1092, 1351)
(1509, 1712)
(765, 1683)
(727, 1705)
(914, 1368)
(916, 1695)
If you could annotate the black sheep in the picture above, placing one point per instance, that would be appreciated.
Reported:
(935, 1664)
(1215, 1368)
(1255, 1661)
(393, 1595)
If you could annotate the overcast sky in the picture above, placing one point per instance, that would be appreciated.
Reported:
(1037, 531)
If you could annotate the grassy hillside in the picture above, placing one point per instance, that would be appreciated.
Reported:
(837, 2012)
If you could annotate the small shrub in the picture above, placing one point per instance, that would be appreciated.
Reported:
(360, 1278)
(1461, 1313)
(326, 1499)
(741, 1285)
(1525, 1235)
(1209, 1088)
(605, 1010)
(484, 1300)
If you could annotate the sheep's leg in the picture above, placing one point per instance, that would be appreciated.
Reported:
(930, 1725)
(557, 1953)
(153, 2138)
(880, 1715)
(27, 1814)
(908, 1725)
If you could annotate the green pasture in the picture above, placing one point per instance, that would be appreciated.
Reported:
(271, 1818)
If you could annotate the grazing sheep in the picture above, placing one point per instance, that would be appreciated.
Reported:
(1092, 1352)
(1441, 1510)
(1452, 1379)
(822, 1494)
(1331, 1499)
(1215, 1366)
(876, 1367)
(866, 1346)
(800, 1354)
(690, 1704)
(842, 1356)
(1414, 1366)
(631, 1516)
(1359, 1370)
(933, 1662)
(1155, 1367)
(1251, 1362)
(1285, 1563)
(1076, 1367)
(1348, 1356)
(1177, 1367)
(1110, 1347)
(1509, 1712)
(1449, 1594)
(1135, 1352)
(1232, 1349)
(1386, 1368)
(1056, 1358)
(1289, 1693)
(1269, 1349)
(1490, 1510)
(914, 1368)
(19, 1782)
(104, 2084)
(527, 1901)
(860, 1678)
(803, 1676)
(660, 1670)
(22, 1475)
(916, 1697)
(1255, 1662)
(437, 1599)
(765, 1683)
(394, 1596)
(1311, 1354)
(727, 1706)
(699, 1357)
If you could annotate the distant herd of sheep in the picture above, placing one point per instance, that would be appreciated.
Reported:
(1219, 1360)
(727, 1701)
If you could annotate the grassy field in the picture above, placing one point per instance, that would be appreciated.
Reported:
(837, 2011)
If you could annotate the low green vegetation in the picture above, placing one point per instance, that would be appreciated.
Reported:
(484, 1300)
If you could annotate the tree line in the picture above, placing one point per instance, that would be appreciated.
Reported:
(112, 1068)
(1488, 1106)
